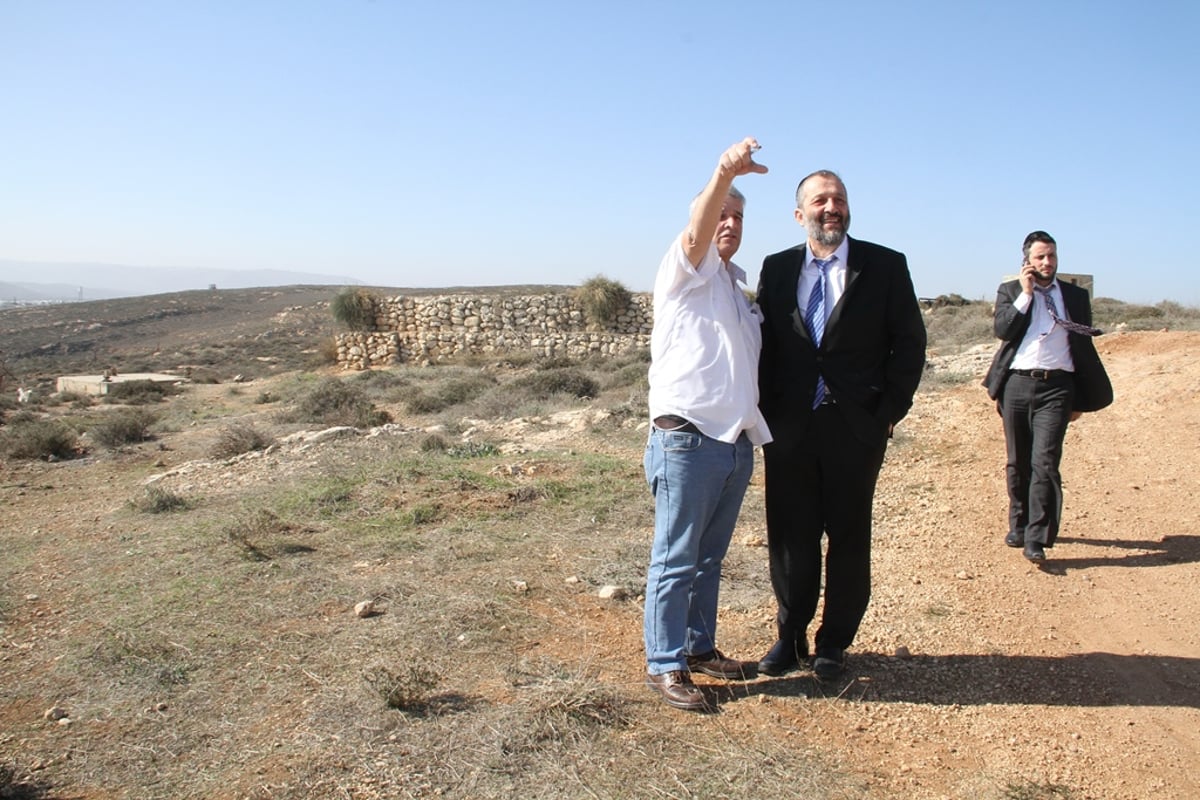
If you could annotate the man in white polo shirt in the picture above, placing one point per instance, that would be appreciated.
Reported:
(700, 453)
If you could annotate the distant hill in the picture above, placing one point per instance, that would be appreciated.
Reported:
(31, 281)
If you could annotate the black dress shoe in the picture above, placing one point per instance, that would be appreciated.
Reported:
(1014, 539)
(783, 657)
(1034, 552)
(678, 690)
(715, 664)
(829, 663)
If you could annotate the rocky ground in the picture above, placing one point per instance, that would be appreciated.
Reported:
(1079, 678)
(974, 669)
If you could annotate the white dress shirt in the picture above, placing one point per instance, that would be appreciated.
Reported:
(835, 278)
(1045, 345)
(704, 347)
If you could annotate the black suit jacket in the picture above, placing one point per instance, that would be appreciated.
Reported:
(1093, 391)
(872, 353)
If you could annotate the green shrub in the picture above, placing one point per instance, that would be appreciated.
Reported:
(629, 375)
(451, 393)
(332, 402)
(354, 308)
(137, 393)
(543, 385)
(472, 450)
(127, 426)
(77, 400)
(602, 300)
(31, 439)
(158, 500)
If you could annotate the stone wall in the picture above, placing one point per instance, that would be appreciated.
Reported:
(427, 330)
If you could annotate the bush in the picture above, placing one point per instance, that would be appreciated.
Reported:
(139, 393)
(602, 300)
(123, 427)
(354, 308)
(407, 688)
(32, 439)
(239, 438)
(327, 351)
(332, 402)
(543, 385)
(158, 500)
(629, 375)
(956, 327)
(451, 393)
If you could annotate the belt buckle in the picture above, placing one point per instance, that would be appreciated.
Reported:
(1039, 374)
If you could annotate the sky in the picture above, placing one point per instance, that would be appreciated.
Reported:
(457, 143)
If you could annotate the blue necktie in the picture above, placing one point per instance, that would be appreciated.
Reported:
(814, 319)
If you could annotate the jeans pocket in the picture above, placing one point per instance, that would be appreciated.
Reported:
(680, 441)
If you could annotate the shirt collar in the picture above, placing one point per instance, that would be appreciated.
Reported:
(737, 273)
(842, 253)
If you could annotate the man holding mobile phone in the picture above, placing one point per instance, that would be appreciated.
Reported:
(1044, 376)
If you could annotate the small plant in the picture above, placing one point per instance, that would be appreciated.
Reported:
(602, 300)
(451, 393)
(246, 533)
(34, 439)
(421, 514)
(472, 450)
(326, 351)
(124, 427)
(405, 689)
(239, 438)
(333, 402)
(1036, 791)
(158, 500)
(433, 443)
(354, 308)
(139, 393)
(544, 384)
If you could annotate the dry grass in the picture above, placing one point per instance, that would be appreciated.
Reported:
(214, 652)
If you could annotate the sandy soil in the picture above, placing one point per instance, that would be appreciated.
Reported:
(1078, 679)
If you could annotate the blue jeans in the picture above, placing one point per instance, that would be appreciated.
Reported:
(698, 484)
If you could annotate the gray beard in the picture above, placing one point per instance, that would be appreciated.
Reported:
(827, 238)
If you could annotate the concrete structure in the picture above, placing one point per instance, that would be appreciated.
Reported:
(99, 384)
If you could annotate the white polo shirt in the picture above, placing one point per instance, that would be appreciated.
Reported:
(704, 347)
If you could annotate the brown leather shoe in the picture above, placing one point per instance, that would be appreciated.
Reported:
(678, 690)
(715, 663)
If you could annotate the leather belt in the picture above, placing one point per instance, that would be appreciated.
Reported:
(672, 423)
(1041, 374)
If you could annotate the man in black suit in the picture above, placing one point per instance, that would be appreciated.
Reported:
(1045, 374)
(843, 352)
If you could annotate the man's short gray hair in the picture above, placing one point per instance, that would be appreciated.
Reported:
(733, 192)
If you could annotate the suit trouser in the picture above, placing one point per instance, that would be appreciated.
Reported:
(822, 482)
(1035, 414)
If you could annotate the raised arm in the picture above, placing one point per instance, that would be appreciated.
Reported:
(706, 209)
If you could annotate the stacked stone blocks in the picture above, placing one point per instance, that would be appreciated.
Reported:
(428, 330)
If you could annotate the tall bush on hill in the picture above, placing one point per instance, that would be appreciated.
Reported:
(602, 300)
(354, 308)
